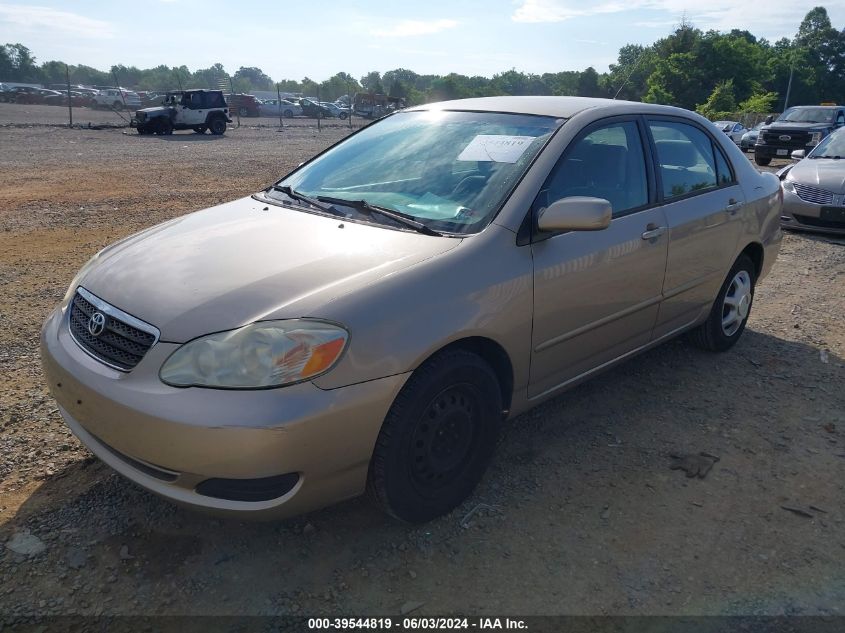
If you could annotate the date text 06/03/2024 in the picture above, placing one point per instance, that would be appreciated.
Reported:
(417, 623)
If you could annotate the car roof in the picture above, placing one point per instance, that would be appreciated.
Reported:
(563, 107)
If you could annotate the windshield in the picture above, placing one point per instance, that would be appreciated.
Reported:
(807, 115)
(832, 146)
(450, 171)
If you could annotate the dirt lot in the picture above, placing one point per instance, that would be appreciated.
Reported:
(582, 514)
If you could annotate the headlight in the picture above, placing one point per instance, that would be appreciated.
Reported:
(788, 186)
(264, 354)
(815, 138)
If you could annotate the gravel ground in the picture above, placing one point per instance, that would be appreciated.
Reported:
(581, 513)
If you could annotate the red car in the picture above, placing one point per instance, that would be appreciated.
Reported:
(243, 104)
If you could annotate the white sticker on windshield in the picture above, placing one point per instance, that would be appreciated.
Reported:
(497, 148)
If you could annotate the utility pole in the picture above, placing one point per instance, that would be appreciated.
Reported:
(279, 102)
(789, 85)
(69, 106)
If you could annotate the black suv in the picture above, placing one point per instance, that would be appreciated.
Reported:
(801, 127)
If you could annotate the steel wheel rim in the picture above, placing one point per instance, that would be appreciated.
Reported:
(444, 438)
(737, 303)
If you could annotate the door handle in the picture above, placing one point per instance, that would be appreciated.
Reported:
(733, 206)
(653, 231)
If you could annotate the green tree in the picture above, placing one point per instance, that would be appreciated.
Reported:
(721, 102)
(371, 82)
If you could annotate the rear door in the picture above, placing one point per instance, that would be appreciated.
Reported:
(703, 203)
(596, 293)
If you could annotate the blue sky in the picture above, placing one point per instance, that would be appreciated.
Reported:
(294, 39)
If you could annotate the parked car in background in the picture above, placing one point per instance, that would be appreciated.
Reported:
(370, 105)
(244, 104)
(4, 92)
(401, 295)
(336, 110)
(117, 99)
(798, 128)
(273, 107)
(29, 95)
(149, 98)
(814, 187)
(733, 129)
(313, 109)
(748, 139)
(77, 99)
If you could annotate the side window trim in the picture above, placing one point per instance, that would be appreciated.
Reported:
(651, 190)
(649, 118)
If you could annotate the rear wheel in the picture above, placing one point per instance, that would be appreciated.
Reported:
(243, 111)
(437, 438)
(730, 311)
(217, 125)
(117, 105)
(763, 161)
(343, 115)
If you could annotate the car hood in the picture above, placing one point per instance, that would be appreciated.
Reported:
(825, 173)
(244, 261)
(153, 109)
(785, 126)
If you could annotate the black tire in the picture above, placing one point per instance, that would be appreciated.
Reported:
(143, 130)
(164, 126)
(288, 114)
(200, 129)
(243, 111)
(217, 125)
(713, 335)
(437, 438)
(117, 105)
(763, 161)
(343, 116)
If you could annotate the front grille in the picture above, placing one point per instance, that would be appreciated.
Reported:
(797, 140)
(812, 194)
(124, 339)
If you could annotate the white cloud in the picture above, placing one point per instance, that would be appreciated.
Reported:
(410, 28)
(559, 11)
(778, 18)
(35, 18)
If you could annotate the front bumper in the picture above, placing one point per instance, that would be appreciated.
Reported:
(170, 441)
(801, 215)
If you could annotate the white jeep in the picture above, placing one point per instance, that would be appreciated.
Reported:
(197, 110)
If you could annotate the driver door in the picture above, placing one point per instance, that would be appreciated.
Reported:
(193, 112)
(597, 293)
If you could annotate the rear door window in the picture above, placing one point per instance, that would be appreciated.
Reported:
(686, 158)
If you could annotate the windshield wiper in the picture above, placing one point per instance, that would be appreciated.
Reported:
(401, 218)
(314, 202)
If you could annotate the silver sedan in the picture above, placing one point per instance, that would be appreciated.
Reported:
(814, 188)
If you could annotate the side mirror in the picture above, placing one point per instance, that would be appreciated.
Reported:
(769, 119)
(798, 154)
(576, 213)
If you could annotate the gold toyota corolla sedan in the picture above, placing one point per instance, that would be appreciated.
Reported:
(368, 322)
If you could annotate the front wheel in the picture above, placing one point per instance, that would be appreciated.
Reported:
(730, 311)
(437, 438)
(164, 126)
(763, 161)
(343, 116)
(288, 114)
(243, 111)
(200, 129)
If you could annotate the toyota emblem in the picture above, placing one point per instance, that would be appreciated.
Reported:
(97, 323)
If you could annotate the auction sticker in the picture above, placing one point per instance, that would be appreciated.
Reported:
(498, 148)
